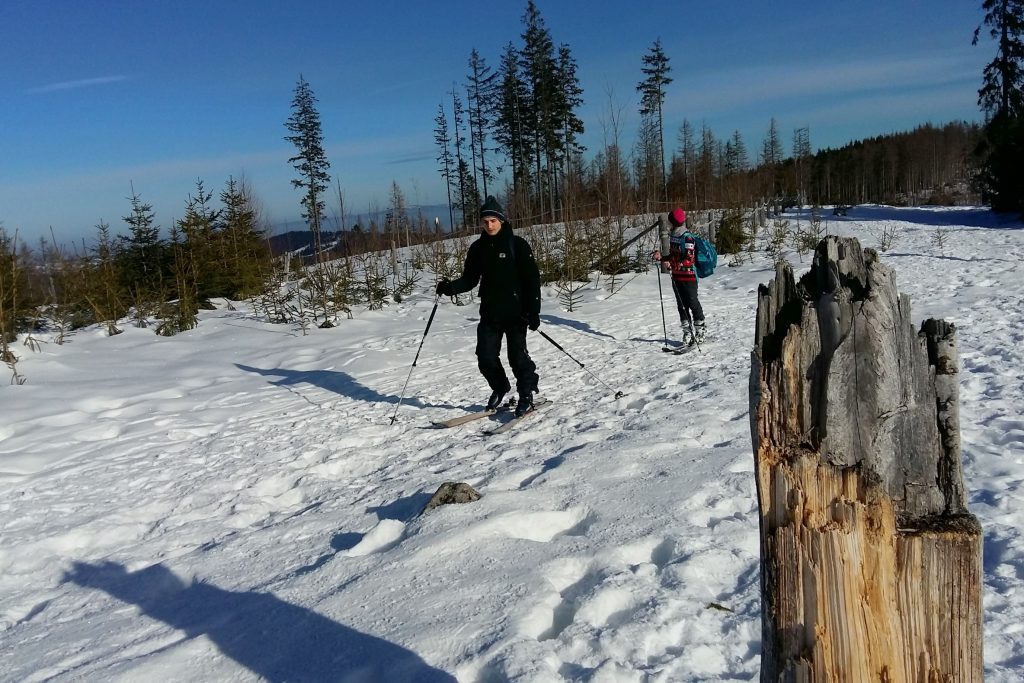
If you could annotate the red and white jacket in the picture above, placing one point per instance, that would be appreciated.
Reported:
(682, 257)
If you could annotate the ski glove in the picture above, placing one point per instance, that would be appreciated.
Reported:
(444, 288)
(533, 321)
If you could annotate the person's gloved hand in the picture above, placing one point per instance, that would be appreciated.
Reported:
(533, 321)
(444, 288)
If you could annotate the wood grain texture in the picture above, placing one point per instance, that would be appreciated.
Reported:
(871, 563)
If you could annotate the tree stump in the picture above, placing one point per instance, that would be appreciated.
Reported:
(870, 561)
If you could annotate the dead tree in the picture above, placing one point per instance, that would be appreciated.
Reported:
(870, 560)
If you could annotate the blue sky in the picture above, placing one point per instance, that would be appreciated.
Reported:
(101, 95)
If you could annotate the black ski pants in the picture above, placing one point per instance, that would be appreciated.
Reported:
(488, 350)
(686, 299)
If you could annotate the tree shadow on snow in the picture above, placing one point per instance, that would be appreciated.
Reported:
(940, 257)
(575, 324)
(937, 216)
(333, 380)
(272, 638)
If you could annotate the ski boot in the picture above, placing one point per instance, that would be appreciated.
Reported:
(524, 404)
(700, 331)
(494, 402)
(689, 336)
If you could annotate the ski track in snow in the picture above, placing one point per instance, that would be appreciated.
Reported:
(616, 539)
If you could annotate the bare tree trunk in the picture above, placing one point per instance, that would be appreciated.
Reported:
(871, 563)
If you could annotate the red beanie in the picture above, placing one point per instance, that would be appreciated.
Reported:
(677, 217)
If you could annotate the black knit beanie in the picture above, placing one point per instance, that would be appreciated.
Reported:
(491, 207)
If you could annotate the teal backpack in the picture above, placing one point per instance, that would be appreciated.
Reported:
(707, 257)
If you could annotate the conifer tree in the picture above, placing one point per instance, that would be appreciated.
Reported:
(1002, 92)
(771, 159)
(707, 167)
(1002, 98)
(14, 298)
(480, 105)
(463, 171)
(101, 286)
(652, 96)
(311, 162)
(647, 169)
(243, 243)
(182, 314)
(735, 168)
(688, 157)
(142, 256)
(197, 244)
(399, 213)
(570, 98)
(469, 195)
(510, 131)
(310, 159)
(537, 60)
(801, 161)
(543, 92)
(741, 156)
(446, 165)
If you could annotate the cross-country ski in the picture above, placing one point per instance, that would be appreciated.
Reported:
(514, 422)
(463, 419)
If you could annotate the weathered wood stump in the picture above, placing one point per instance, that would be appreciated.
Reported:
(871, 563)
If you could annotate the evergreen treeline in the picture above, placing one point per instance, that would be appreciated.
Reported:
(519, 122)
(214, 251)
(516, 125)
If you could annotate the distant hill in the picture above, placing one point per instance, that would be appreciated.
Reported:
(294, 236)
(299, 241)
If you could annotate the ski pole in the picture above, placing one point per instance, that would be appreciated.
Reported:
(429, 320)
(618, 394)
(661, 301)
(693, 330)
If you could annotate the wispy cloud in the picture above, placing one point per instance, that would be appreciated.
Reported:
(80, 83)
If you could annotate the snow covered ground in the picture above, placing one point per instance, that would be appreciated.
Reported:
(233, 504)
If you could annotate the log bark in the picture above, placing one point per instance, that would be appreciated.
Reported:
(871, 562)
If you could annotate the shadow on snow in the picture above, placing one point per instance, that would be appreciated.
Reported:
(575, 324)
(404, 509)
(272, 638)
(340, 542)
(335, 381)
(972, 217)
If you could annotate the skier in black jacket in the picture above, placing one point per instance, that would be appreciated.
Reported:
(509, 303)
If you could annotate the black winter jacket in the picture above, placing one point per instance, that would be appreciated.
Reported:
(508, 276)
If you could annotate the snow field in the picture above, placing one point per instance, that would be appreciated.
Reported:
(204, 507)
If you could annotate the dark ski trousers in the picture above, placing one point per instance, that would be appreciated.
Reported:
(488, 350)
(686, 298)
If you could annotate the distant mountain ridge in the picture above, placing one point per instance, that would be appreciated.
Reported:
(331, 222)
(294, 235)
